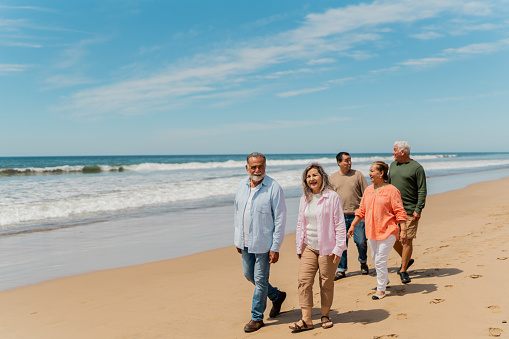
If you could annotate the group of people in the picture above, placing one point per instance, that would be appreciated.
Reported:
(332, 209)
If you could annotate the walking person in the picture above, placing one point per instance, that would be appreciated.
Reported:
(320, 240)
(260, 219)
(410, 179)
(350, 184)
(385, 220)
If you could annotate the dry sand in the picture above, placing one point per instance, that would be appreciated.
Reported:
(457, 289)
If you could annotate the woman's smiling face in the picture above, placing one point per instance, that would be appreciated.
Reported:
(314, 180)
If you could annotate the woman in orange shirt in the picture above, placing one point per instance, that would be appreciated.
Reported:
(385, 220)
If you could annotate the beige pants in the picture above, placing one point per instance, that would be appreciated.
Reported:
(310, 263)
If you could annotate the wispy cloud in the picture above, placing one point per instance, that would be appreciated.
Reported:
(342, 81)
(321, 61)
(427, 35)
(482, 48)
(10, 68)
(424, 62)
(300, 92)
(336, 32)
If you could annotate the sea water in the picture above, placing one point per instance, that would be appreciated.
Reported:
(45, 193)
(61, 216)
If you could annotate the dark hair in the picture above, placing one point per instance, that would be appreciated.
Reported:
(340, 155)
(256, 155)
(325, 180)
(382, 167)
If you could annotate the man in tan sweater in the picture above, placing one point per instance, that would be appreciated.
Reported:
(350, 185)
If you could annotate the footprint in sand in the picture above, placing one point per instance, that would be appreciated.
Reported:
(475, 276)
(437, 301)
(495, 332)
(494, 308)
(385, 336)
(503, 258)
(480, 265)
(402, 316)
(447, 287)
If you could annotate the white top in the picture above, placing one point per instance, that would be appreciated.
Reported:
(247, 214)
(312, 225)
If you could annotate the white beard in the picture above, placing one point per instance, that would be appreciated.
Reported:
(257, 178)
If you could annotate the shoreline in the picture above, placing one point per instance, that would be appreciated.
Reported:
(33, 258)
(461, 253)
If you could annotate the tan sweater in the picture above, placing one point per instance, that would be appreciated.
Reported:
(350, 188)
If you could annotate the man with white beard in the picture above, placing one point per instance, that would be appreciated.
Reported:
(260, 219)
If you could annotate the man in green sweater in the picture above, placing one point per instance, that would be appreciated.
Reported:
(409, 178)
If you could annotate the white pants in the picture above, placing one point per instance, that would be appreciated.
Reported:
(380, 250)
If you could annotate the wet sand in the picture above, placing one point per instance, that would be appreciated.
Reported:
(457, 290)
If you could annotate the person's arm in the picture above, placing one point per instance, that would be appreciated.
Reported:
(339, 227)
(279, 210)
(300, 225)
(399, 212)
(421, 192)
(354, 223)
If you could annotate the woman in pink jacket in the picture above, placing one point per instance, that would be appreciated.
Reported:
(385, 220)
(321, 239)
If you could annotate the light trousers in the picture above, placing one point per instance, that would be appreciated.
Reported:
(380, 250)
(310, 263)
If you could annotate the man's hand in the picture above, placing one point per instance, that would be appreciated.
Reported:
(274, 257)
(416, 216)
(238, 250)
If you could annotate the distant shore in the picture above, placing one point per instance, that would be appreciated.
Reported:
(461, 253)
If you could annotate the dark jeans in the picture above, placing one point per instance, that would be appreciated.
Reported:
(359, 237)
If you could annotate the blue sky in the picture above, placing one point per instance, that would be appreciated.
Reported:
(289, 76)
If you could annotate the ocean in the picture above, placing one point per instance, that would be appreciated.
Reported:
(61, 216)
(47, 193)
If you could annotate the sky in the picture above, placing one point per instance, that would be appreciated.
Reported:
(135, 77)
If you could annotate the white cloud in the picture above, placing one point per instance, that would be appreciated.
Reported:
(300, 92)
(424, 62)
(341, 81)
(321, 61)
(427, 35)
(481, 48)
(9, 68)
(336, 31)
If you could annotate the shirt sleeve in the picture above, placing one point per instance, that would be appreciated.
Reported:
(421, 190)
(279, 208)
(397, 206)
(339, 227)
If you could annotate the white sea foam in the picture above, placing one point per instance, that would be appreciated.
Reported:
(42, 198)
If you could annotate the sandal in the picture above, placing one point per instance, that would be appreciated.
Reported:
(298, 328)
(324, 323)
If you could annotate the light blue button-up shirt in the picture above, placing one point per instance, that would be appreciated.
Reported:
(268, 216)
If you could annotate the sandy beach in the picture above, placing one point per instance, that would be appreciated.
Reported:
(461, 267)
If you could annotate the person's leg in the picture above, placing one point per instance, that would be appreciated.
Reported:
(383, 250)
(261, 281)
(248, 260)
(307, 271)
(326, 274)
(407, 248)
(343, 262)
(373, 246)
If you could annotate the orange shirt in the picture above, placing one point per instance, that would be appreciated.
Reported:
(382, 212)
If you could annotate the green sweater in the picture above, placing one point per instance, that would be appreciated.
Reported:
(410, 179)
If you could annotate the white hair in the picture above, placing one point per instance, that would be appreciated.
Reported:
(403, 145)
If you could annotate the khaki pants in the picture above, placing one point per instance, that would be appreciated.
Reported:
(310, 263)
